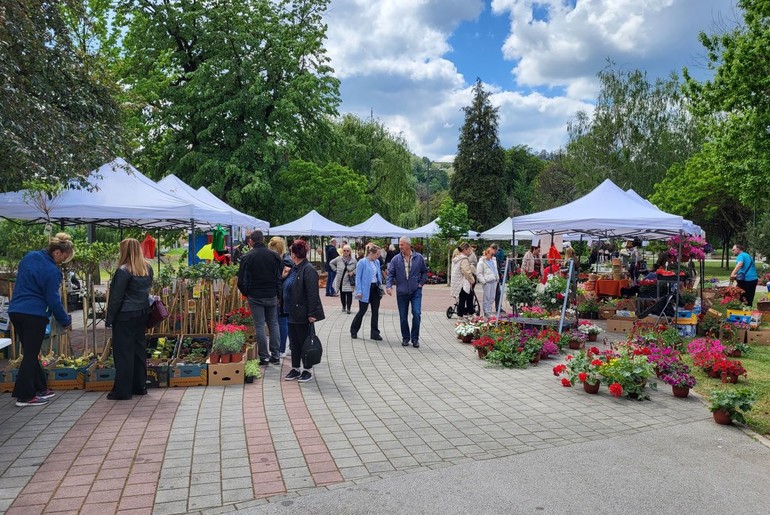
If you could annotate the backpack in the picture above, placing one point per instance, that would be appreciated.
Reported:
(312, 349)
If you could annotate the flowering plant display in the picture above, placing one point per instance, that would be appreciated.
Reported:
(573, 335)
(588, 305)
(679, 376)
(705, 351)
(734, 348)
(587, 327)
(229, 339)
(549, 349)
(485, 342)
(733, 401)
(509, 353)
(552, 296)
(630, 370)
(241, 316)
(692, 248)
(534, 312)
(729, 367)
(582, 367)
(466, 329)
(664, 359)
(732, 303)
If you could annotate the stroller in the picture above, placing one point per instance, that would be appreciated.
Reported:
(451, 310)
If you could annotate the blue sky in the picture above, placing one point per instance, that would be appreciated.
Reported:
(412, 63)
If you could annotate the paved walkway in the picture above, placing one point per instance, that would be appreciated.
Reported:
(375, 411)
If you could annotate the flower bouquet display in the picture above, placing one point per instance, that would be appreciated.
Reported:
(583, 367)
(628, 371)
(590, 330)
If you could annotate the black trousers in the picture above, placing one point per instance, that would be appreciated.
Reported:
(128, 349)
(465, 303)
(297, 336)
(374, 300)
(31, 377)
(750, 287)
(346, 297)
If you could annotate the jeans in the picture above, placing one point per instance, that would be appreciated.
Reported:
(266, 311)
(346, 297)
(403, 301)
(31, 379)
(374, 300)
(283, 329)
(330, 283)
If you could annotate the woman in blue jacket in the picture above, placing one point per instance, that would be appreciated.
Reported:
(368, 281)
(35, 297)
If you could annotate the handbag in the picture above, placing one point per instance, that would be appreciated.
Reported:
(741, 276)
(158, 313)
(312, 349)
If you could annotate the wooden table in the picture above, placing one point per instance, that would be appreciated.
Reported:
(611, 287)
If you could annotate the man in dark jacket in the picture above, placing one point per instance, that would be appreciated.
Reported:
(259, 279)
(408, 272)
(330, 252)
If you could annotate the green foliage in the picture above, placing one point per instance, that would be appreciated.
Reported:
(224, 93)
(16, 240)
(251, 369)
(522, 167)
(520, 290)
(734, 401)
(452, 220)
(336, 192)
(480, 163)
(58, 118)
(637, 131)
(229, 343)
(506, 354)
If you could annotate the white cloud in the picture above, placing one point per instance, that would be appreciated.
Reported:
(394, 60)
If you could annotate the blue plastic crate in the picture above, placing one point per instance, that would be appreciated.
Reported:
(739, 318)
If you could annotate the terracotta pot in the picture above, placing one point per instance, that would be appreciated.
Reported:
(726, 378)
(225, 358)
(680, 391)
(236, 357)
(535, 360)
(482, 352)
(689, 306)
(714, 374)
(575, 344)
(735, 353)
(592, 337)
(214, 358)
(722, 417)
(467, 339)
(591, 388)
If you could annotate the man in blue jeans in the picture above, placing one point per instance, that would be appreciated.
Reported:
(259, 279)
(407, 270)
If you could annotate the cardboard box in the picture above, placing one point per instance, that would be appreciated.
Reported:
(6, 387)
(99, 379)
(157, 376)
(606, 313)
(621, 324)
(759, 337)
(223, 375)
(188, 375)
(66, 378)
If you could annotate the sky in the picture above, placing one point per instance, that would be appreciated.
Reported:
(412, 63)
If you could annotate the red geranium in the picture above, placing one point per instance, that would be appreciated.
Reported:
(583, 376)
(558, 369)
(565, 382)
(616, 389)
(597, 363)
(593, 350)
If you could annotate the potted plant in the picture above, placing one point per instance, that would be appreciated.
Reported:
(583, 367)
(729, 370)
(483, 345)
(465, 331)
(688, 296)
(680, 379)
(588, 308)
(590, 330)
(736, 350)
(251, 370)
(628, 372)
(574, 339)
(729, 405)
(228, 343)
(521, 290)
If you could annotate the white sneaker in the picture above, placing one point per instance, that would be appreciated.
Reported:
(283, 354)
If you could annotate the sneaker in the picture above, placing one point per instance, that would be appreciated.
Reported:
(348, 312)
(34, 401)
(292, 375)
(275, 361)
(264, 361)
(46, 394)
(283, 354)
(405, 342)
(305, 377)
(416, 344)
(376, 337)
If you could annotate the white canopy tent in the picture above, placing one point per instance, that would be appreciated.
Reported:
(312, 224)
(239, 218)
(607, 211)
(690, 227)
(377, 226)
(432, 229)
(121, 197)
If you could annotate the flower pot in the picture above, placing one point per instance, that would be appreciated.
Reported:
(722, 417)
(735, 353)
(248, 379)
(592, 337)
(729, 378)
(467, 338)
(689, 306)
(225, 358)
(236, 357)
(482, 352)
(680, 391)
(591, 388)
(575, 344)
(714, 374)
(214, 358)
(633, 395)
(535, 360)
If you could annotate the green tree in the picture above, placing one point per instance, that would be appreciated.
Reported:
(227, 92)
(58, 116)
(735, 105)
(369, 148)
(480, 163)
(637, 131)
(453, 220)
(522, 168)
(336, 192)
(553, 186)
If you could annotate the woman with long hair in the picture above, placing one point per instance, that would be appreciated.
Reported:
(277, 245)
(486, 274)
(463, 280)
(35, 297)
(127, 312)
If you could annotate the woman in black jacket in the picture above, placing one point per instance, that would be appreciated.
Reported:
(300, 293)
(127, 312)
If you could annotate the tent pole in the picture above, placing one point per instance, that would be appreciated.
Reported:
(678, 278)
(158, 248)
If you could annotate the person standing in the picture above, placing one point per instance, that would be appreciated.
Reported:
(463, 280)
(127, 312)
(528, 261)
(486, 274)
(301, 295)
(744, 274)
(499, 255)
(408, 271)
(259, 279)
(330, 253)
(367, 291)
(241, 249)
(344, 283)
(277, 245)
(36, 296)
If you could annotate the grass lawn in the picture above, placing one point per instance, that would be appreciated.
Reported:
(757, 363)
(714, 270)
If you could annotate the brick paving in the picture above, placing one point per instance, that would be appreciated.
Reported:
(373, 410)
